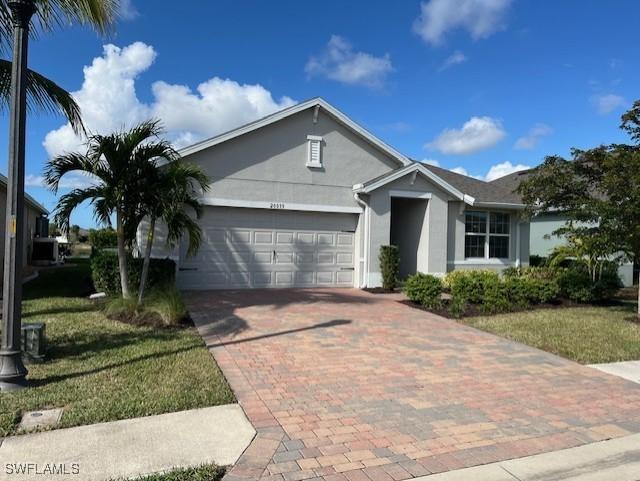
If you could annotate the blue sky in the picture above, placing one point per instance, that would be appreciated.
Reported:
(470, 84)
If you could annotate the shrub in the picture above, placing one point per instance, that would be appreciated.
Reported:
(576, 283)
(162, 307)
(106, 275)
(457, 307)
(425, 290)
(103, 238)
(389, 258)
(495, 298)
(524, 291)
(166, 302)
(470, 285)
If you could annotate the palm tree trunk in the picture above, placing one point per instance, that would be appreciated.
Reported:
(122, 256)
(147, 259)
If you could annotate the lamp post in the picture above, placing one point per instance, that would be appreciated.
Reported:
(12, 371)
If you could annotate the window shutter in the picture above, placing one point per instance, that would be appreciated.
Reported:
(314, 157)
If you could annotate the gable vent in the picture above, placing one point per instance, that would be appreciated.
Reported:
(314, 152)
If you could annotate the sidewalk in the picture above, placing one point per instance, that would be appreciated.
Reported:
(629, 370)
(616, 459)
(129, 448)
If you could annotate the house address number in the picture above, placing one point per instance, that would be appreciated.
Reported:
(276, 205)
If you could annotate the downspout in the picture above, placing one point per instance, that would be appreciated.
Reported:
(518, 247)
(365, 227)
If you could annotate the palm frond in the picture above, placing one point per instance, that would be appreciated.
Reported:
(71, 200)
(43, 95)
(99, 14)
(63, 164)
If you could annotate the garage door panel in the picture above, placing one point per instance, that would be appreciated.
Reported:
(344, 278)
(344, 259)
(261, 238)
(246, 248)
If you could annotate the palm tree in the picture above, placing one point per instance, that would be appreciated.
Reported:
(44, 94)
(121, 165)
(175, 187)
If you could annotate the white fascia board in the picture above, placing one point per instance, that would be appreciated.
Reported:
(409, 194)
(278, 205)
(342, 118)
(415, 167)
(499, 205)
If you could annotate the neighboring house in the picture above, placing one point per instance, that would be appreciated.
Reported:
(32, 210)
(306, 197)
(542, 242)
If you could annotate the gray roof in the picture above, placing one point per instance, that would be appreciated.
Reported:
(30, 201)
(500, 190)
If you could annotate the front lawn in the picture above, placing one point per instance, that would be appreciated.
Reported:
(588, 335)
(103, 370)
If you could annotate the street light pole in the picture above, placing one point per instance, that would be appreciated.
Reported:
(12, 371)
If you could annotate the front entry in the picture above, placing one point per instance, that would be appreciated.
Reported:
(408, 232)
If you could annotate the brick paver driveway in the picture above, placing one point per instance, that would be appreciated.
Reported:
(346, 385)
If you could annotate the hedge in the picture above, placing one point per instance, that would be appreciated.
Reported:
(389, 258)
(103, 238)
(424, 289)
(106, 274)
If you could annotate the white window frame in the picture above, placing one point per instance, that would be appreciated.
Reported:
(311, 140)
(487, 235)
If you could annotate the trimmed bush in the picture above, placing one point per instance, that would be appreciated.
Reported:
(576, 284)
(103, 238)
(106, 275)
(471, 285)
(389, 258)
(425, 290)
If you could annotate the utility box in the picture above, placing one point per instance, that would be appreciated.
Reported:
(34, 343)
(42, 226)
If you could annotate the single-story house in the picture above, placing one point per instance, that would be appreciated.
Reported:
(305, 197)
(32, 210)
(542, 242)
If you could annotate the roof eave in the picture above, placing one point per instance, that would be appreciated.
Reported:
(294, 109)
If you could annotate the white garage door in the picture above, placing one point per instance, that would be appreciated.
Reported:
(251, 248)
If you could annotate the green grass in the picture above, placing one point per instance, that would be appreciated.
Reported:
(588, 335)
(202, 473)
(103, 370)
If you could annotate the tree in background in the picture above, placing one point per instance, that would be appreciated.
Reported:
(172, 192)
(121, 164)
(598, 188)
(44, 94)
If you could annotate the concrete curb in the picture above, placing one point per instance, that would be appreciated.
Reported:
(617, 459)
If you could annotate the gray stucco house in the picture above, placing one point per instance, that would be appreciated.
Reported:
(305, 197)
(541, 240)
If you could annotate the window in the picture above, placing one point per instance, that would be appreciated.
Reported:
(487, 235)
(314, 151)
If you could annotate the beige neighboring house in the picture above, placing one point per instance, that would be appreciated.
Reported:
(32, 209)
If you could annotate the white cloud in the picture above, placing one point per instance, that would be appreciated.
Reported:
(480, 18)
(478, 133)
(433, 162)
(127, 10)
(109, 101)
(340, 62)
(533, 137)
(505, 168)
(456, 58)
(607, 103)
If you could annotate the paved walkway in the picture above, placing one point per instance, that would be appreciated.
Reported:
(128, 448)
(627, 369)
(343, 385)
